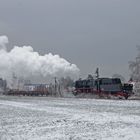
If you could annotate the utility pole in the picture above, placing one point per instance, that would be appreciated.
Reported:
(55, 85)
(97, 76)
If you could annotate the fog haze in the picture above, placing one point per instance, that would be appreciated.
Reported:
(90, 34)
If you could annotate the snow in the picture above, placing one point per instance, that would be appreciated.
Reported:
(46, 118)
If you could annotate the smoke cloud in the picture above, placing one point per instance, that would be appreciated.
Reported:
(3, 42)
(25, 62)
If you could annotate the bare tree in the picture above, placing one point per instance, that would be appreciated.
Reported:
(66, 82)
(134, 67)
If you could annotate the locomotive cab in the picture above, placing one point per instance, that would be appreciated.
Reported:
(110, 85)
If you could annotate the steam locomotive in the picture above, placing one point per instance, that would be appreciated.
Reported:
(104, 87)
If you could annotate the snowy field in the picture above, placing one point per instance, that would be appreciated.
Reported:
(46, 118)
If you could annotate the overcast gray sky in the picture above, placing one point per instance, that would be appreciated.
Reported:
(89, 33)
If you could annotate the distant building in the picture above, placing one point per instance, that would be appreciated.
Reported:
(3, 85)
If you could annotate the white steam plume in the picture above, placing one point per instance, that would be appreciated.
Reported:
(25, 62)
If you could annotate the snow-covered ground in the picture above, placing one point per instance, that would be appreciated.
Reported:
(46, 118)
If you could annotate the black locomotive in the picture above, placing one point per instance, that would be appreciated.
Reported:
(103, 87)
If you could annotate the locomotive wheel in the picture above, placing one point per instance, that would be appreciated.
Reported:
(75, 93)
(126, 97)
